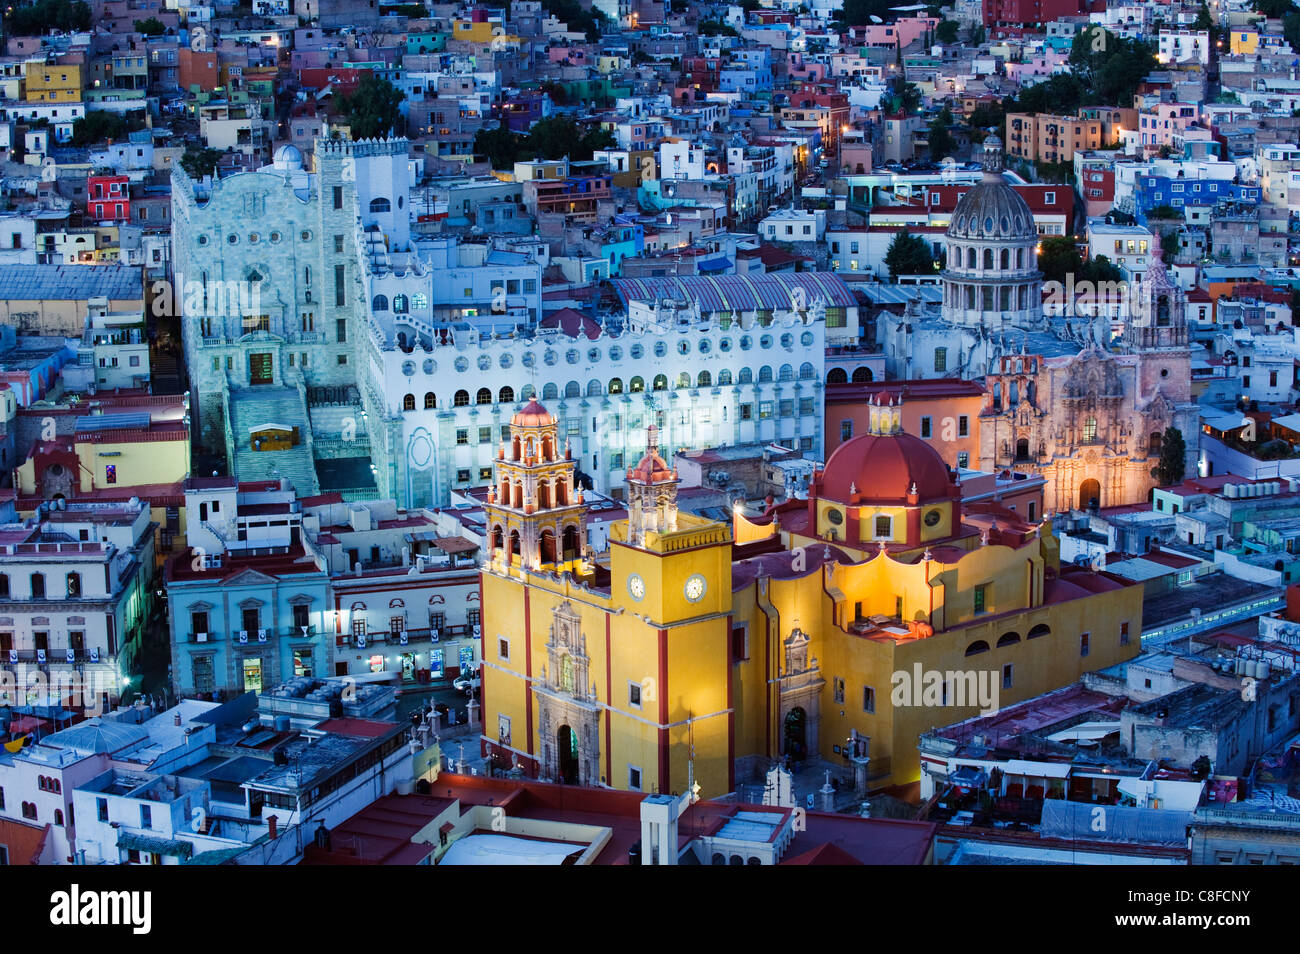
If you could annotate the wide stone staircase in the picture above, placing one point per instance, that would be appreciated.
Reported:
(258, 406)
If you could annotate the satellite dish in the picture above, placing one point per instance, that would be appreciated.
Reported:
(876, 19)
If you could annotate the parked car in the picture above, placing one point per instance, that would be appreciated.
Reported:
(467, 682)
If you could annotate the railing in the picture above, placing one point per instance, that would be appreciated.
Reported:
(418, 635)
(9, 657)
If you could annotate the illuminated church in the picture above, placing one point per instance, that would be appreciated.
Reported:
(697, 651)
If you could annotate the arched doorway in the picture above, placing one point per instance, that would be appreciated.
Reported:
(548, 546)
(1022, 449)
(571, 542)
(795, 736)
(1089, 494)
(567, 745)
(837, 376)
(514, 543)
(862, 376)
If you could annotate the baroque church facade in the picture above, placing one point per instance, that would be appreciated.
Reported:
(1063, 399)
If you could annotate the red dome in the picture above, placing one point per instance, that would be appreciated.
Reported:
(532, 415)
(884, 467)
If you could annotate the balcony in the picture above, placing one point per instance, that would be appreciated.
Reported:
(53, 657)
(413, 636)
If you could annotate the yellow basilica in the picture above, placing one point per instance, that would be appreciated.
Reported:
(841, 626)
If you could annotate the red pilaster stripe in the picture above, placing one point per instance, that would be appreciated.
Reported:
(663, 712)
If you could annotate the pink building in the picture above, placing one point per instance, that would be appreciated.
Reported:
(1159, 124)
(899, 33)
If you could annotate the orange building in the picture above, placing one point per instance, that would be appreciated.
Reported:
(945, 412)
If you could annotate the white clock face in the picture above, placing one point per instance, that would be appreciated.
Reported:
(636, 587)
(695, 588)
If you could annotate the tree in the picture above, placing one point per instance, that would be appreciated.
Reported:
(946, 32)
(200, 162)
(1061, 93)
(372, 110)
(988, 116)
(976, 37)
(1100, 269)
(497, 145)
(941, 142)
(1059, 257)
(1273, 8)
(1110, 67)
(714, 28)
(1170, 244)
(39, 18)
(909, 255)
(97, 126)
(1173, 454)
(151, 27)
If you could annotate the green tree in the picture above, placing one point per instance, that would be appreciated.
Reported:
(39, 18)
(97, 126)
(1173, 458)
(151, 27)
(1058, 258)
(946, 32)
(1273, 8)
(1100, 269)
(372, 110)
(909, 255)
(988, 116)
(1170, 244)
(201, 161)
(497, 145)
(1110, 67)
(1062, 93)
(976, 37)
(940, 141)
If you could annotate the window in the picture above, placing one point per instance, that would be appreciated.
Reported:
(1049, 198)
(940, 359)
(963, 460)
(462, 435)
(338, 197)
(868, 699)
(146, 816)
(634, 778)
(981, 598)
(101, 809)
(1090, 431)
(341, 331)
(74, 585)
(838, 686)
(884, 526)
(462, 475)
(1123, 634)
(503, 648)
(110, 473)
(1084, 641)
(340, 298)
(925, 426)
(846, 430)
(1007, 671)
(343, 359)
(38, 586)
(634, 695)
(963, 426)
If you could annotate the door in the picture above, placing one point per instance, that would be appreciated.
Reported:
(567, 743)
(795, 736)
(1089, 494)
(259, 368)
(253, 675)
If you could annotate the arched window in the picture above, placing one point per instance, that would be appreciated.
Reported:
(401, 304)
(764, 374)
(1154, 442)
(786, 373)
(573, 389)
(1042, 629)
(705, 380)
(379, 303)
(660, 383)
(988, 259)
(1006, 258)
(380, 205)
(1022, 449)
(506, 395)
(636, 385)
(1008, 639)
(58, 817)
(430, 401)
(594, 388)
(837, 376)
(970, 258)
(807, 372)
(746, 376)
(724, 377)
(1090, 431)
(74, 585)
(862, 375)
(684, 380)
(461, 399)
(408, 403)
(977, 647)
(550, 392)
(615, 385)
(484, 396)
(38, 586)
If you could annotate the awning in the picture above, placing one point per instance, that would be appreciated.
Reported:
(454, 545)
(1037, 769)
(157, 846)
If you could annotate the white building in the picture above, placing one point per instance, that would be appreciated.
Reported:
(794, 225)
(1183, 46)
